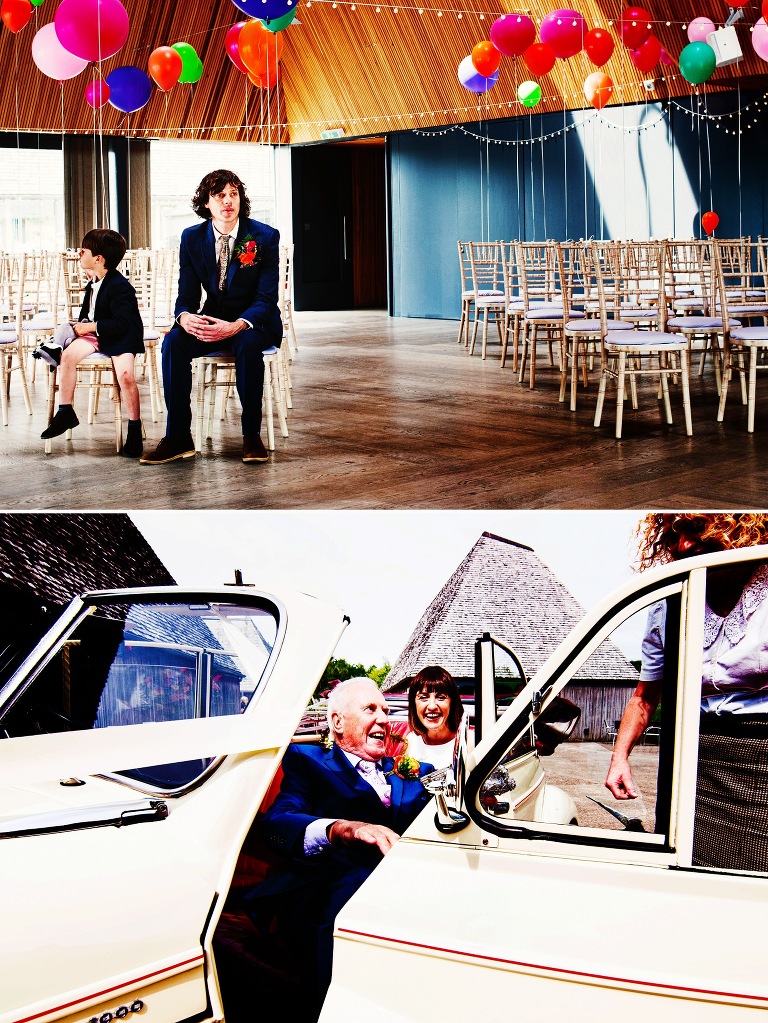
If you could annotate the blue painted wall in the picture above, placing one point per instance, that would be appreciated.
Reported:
(627, 172)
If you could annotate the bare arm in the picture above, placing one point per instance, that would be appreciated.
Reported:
(635, 720)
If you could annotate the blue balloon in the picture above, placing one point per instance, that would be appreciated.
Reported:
(471, 79)
(265, 8)
(129, 88)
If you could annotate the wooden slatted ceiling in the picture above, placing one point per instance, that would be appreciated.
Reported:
(365, 67)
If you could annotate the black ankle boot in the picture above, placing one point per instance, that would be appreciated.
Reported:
(65, 419)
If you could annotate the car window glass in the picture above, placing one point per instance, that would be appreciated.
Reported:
(139, 663)
(554, 770)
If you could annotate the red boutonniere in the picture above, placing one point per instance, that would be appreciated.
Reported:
(247, 252)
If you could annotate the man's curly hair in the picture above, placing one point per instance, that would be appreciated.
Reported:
(215, 182)
(731, 530)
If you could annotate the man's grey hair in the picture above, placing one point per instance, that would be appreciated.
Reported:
(338, 700)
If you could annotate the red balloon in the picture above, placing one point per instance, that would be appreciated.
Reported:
(486, 58)
(709, 221)
(512, 34)
(738, 3)
(646, 57)
(598, 88)
(598, 46)
(231, 46)
(165, 66)
(765, 10)
(634, 27)
(15, 14)
(539, 58)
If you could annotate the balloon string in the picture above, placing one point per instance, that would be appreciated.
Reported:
(128, 138)
(738, 157)
(698, 147)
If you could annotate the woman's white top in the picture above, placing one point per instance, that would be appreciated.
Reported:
(440, 755)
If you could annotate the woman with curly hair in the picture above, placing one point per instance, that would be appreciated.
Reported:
(731, 827)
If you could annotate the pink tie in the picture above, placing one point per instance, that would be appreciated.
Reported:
(370, 771)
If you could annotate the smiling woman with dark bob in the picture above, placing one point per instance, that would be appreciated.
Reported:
(434, 714)
(731, 825)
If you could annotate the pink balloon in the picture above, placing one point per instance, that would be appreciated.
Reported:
(512, 34)
(564, 31)
(91, 29)
(760, 38)
(665, 58)
(96, 93)
(699, 29)
(230, 45)
(51, 57)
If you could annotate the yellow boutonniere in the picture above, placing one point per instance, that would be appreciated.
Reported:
(406, 767)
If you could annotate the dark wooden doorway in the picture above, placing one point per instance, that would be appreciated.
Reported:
(339, 226)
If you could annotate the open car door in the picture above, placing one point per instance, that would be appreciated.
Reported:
(136, 743)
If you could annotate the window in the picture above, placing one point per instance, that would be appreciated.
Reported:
(177, 168)
(139, 663)
(32, 199)
(550, 766)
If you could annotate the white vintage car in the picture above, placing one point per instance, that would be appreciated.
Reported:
(142, 734)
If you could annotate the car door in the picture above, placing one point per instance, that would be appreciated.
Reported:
(603, 915)
(138, 739)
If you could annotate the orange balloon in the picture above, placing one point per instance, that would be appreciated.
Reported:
(165, 66)
(266, 81)
(250, 42)
(598, 88)
(486, 58)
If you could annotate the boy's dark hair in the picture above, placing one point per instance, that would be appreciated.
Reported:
(108, 244)
(215, 182)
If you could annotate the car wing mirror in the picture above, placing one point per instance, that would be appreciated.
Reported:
(442, 785)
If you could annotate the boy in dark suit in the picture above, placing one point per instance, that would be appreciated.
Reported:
(338, 812)
(110, 323)
(235, 261)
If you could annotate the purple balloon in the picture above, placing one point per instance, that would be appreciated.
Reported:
(129, 88)
(51, 57)
(264, 9)
(564, 31)
(470, 79)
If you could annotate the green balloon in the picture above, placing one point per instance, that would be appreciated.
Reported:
(189, 62)
(278, 24)
(37, 3)
(697, 62)
(529, 94)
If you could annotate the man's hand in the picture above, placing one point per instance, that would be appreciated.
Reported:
(347, 832)
(209, 328)
(619, 779)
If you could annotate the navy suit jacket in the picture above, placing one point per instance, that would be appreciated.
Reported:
(116, 315)
(251, 291)
(322, 783)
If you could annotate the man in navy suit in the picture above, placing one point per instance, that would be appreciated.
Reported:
(235, 261)
(338, 812)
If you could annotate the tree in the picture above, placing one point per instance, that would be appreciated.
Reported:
(339, 670)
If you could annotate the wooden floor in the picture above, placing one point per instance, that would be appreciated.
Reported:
(392, 413)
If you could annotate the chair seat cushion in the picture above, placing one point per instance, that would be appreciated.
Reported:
(151, 335)
(40, 321)
(647, 339)
(746, 310)
(751, 335)
(594, 326)
(8, 337)
(696, 323)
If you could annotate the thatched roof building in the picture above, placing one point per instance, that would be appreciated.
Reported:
(504, 588)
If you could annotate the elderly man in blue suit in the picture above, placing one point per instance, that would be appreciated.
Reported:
(235, 261)
(338, 812)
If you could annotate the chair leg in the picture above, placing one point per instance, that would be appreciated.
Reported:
(601, 396)
(268, 407)
(665, 391)
(620, 393)
(686, 388)
(201, 374)
(752, 390)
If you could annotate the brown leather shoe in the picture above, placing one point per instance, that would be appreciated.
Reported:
(254, 450)
(169, 449)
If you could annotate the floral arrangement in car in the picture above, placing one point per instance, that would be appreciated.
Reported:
(247, 252)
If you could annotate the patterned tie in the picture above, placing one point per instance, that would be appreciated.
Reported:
(370, 771)
(223, 260)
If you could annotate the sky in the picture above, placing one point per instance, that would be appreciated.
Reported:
(383, 567)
